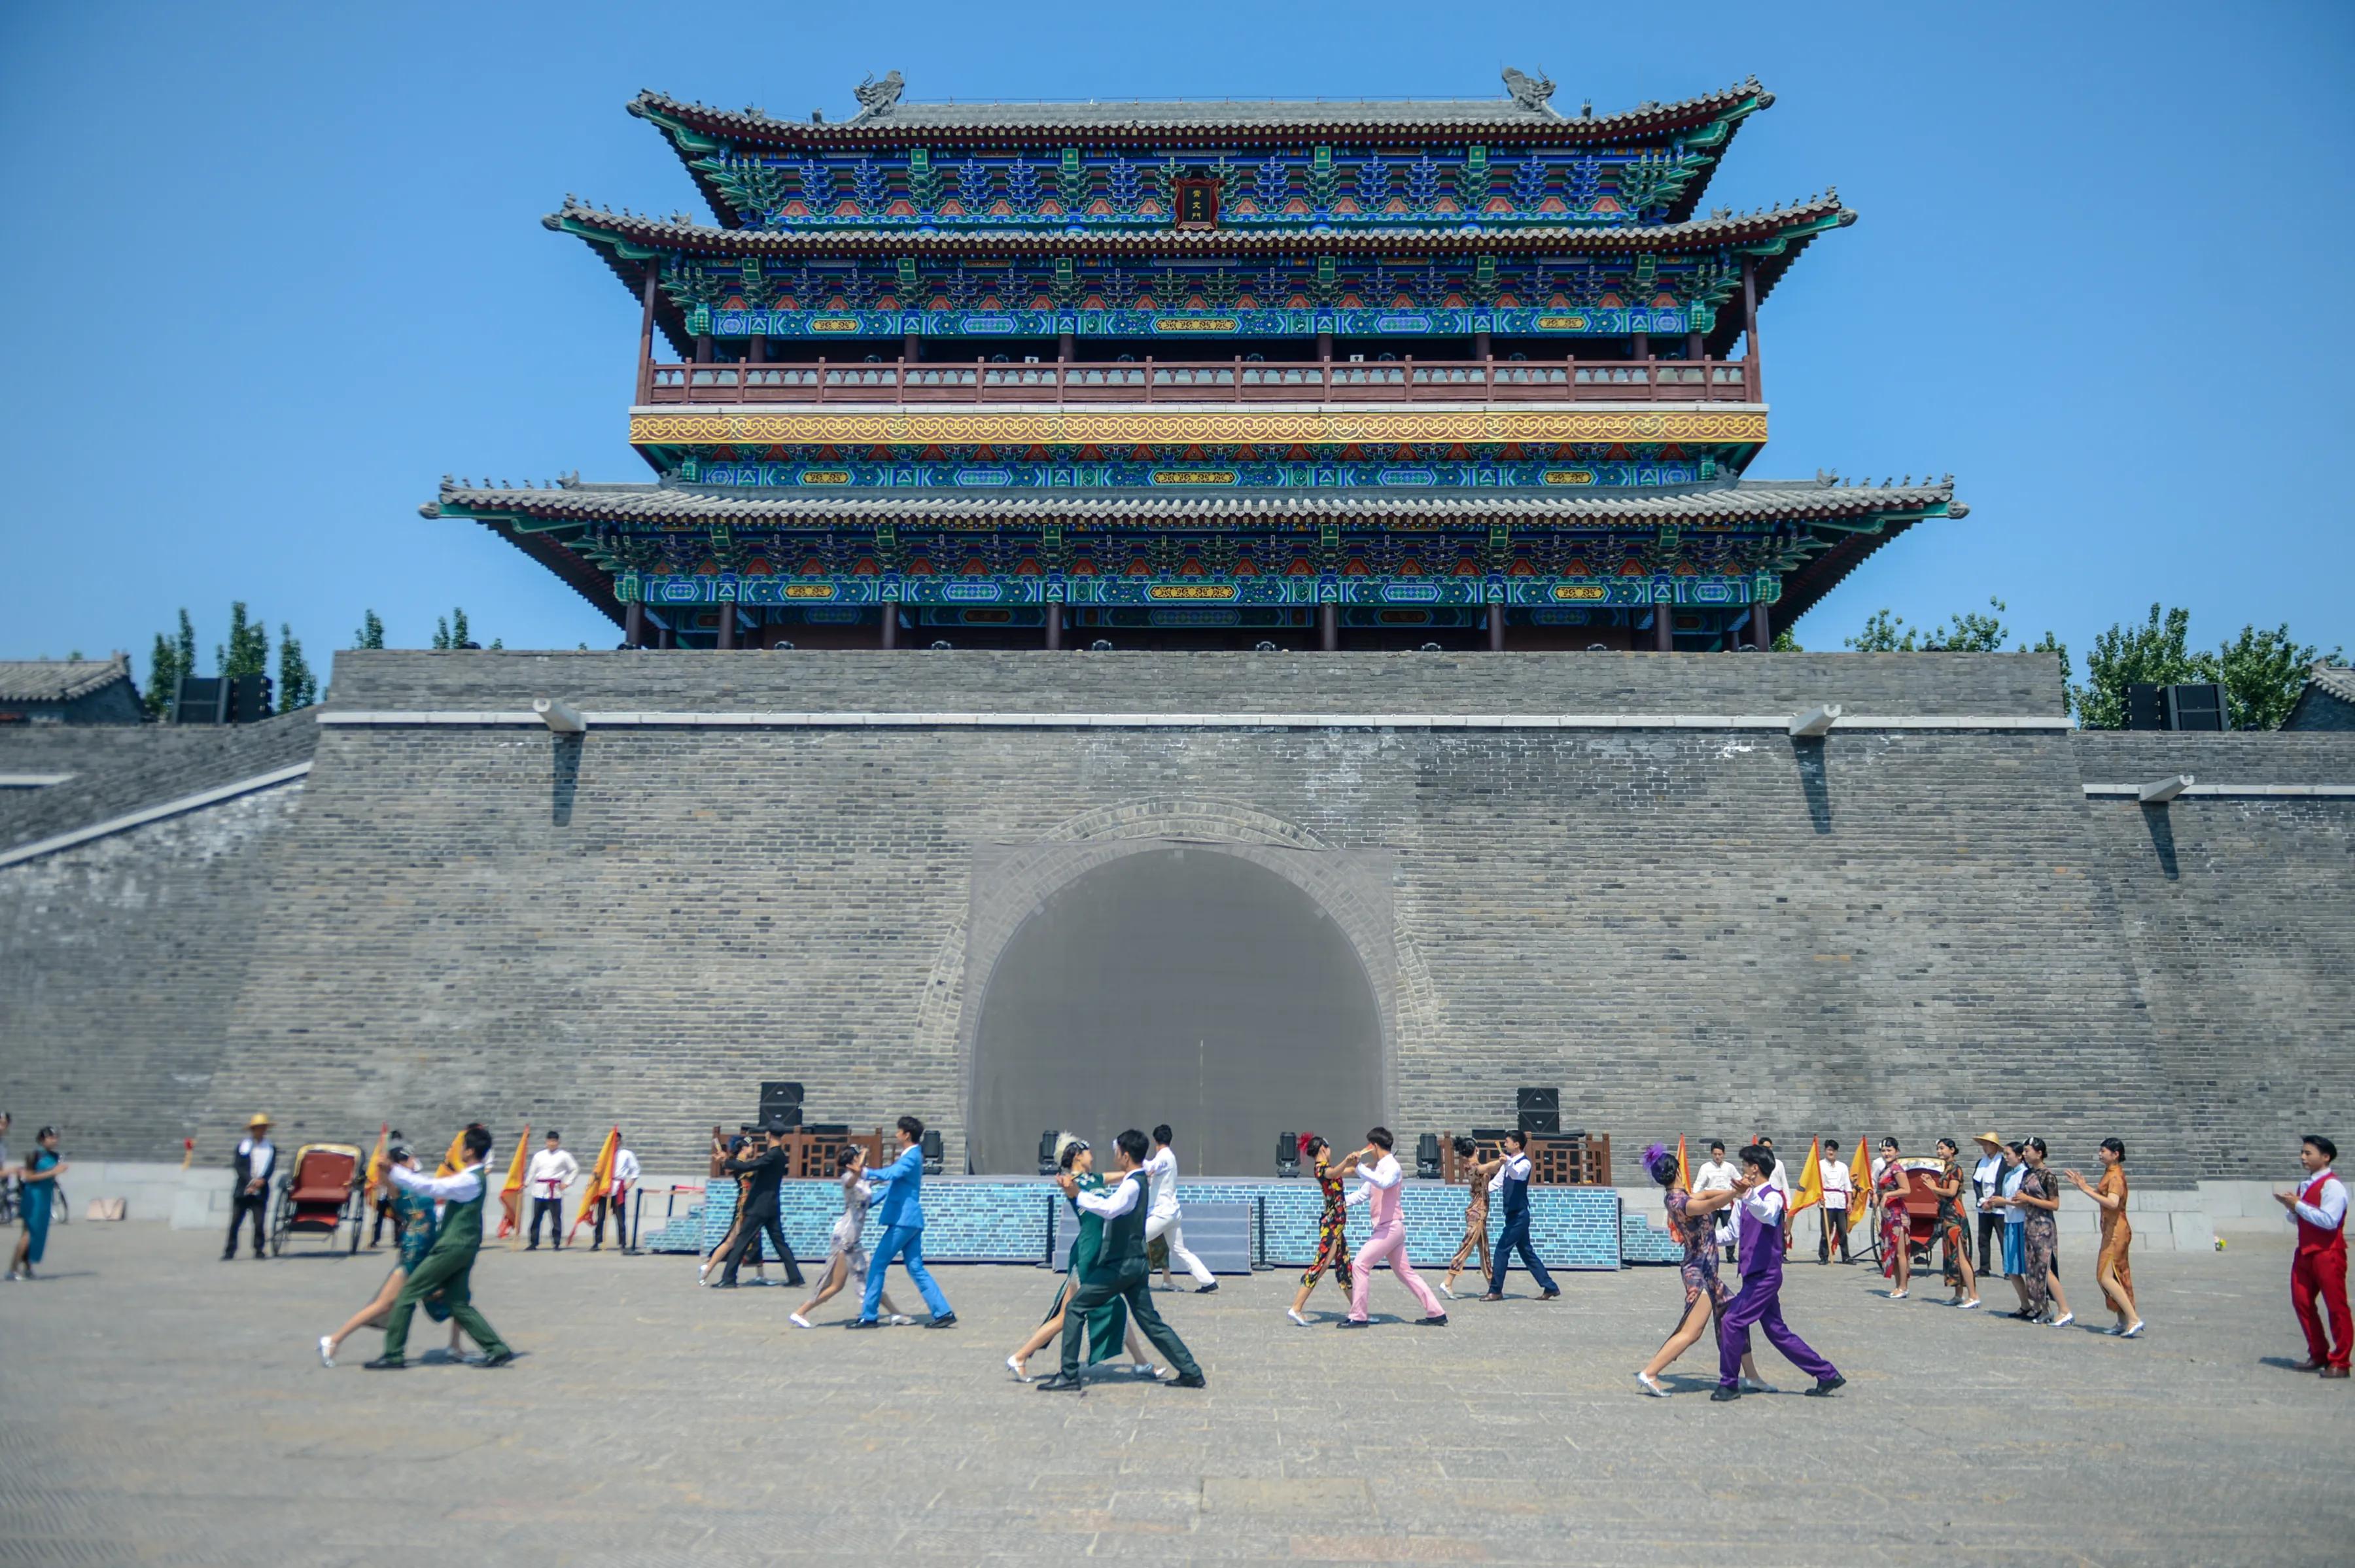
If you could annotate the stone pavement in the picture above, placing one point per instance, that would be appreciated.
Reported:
(158, 1406)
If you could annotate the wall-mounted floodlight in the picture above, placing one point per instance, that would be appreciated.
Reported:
(561, 717)
(2159, 792)
(1815, 723)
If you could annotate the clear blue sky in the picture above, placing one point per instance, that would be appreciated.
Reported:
(275, 269)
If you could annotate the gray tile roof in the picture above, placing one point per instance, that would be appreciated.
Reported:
(2336, 679)
(679, 234)
(58, 680)
(1502, 113)
(1764, 500)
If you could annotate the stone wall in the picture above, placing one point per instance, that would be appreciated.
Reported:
(1707, 931)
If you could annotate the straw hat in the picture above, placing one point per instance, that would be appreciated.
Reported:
(258, 1119)
(1989, 1138)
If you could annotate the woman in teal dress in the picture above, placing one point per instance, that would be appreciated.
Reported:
(40, 1176)
(1108, 1328)
(418, 1225)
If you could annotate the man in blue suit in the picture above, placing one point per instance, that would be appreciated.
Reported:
(899, 1212)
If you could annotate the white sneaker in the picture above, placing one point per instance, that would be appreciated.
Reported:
(2064, 1320)
(326, 1349)
(797, 1320)
(1295, 1316)
(1651, 1385)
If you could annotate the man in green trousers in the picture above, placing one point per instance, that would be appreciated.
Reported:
(446, 1267)
(1120, 1270)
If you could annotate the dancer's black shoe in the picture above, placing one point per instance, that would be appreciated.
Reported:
(1725, 1394)
(497, 1358)
(386, 1364)
(1187, 1379)
(1438, 1322)
(1206, 1289)
(862, 1322)
(1060, 1383)
(1827, 1386)
(946, 1320)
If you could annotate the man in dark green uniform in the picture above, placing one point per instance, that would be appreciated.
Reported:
(1120, 1270)
(448, 1266)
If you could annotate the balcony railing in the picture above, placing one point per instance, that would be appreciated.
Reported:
(1211, 381)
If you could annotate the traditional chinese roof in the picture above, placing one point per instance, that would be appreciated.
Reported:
(58, 680)
(628, 241)
(1855, 518)
(1521, 116)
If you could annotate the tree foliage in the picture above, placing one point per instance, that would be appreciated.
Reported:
(450, 631)
(2261, 672)
(1969, 632)
(296, 686)
(172, 657)
(371, 631)
(246, 652)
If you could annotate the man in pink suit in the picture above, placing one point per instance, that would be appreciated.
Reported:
(1380, 1176)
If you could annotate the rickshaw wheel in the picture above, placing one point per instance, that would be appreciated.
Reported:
(357, 1207)
(280, 1217)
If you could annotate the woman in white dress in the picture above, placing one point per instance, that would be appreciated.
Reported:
(846, 1258)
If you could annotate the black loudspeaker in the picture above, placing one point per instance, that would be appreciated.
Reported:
(1047, 1152)
(2145, 707)
(932, 1155)
(1287, 1154)
(1426, 1157)
(1489, 1135)
(827, 1130)
(249, 699)
(777, 1095)
(200, 699)
(1546, 1100)
(1544, 1123)
(2196, 707)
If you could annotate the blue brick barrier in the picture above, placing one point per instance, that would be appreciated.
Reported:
(1004, 1219)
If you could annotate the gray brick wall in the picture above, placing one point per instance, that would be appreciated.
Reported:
(1707, 933)
(119, 959)
(120, 769)
(1885, 684)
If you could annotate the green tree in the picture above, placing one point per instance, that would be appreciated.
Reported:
(2159, 652)
(2263, 673)
(248, 650)
(450, 631)
(296, 686)
(1783, 643)
(171, 658)
(371, 631)
(1881, 635)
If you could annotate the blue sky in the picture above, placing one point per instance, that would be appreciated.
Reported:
(275, 269)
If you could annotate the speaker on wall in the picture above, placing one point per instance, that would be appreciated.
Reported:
(1426, 1157)
(1047, 1151)
(1534, 1099)
(1543, 1124)
(1287, 1154)
(932, 1155)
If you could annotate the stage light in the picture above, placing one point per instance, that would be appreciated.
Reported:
(1287, 1154)
(932, 1157)
(1047, 1151)
(1426, 1157)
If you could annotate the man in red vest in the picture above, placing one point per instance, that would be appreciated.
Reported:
(2319, 1205)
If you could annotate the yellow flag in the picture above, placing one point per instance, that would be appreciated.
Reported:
(601, 1177)
(1684, 1172)
(511, 1190)
(1860, 1171)
(376, 1164)
(455, 1160)
(1811, 1179)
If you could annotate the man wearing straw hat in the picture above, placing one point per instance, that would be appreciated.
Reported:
(1987, 1181)
(254, 1161)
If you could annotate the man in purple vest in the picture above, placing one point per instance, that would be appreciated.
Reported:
(1759, 1207)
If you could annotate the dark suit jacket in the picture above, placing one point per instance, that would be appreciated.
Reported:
(762, 1176)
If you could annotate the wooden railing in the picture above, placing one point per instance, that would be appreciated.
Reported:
(1565, 1159)
(1209, 381)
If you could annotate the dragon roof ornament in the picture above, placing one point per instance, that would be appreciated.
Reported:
(1531, 93)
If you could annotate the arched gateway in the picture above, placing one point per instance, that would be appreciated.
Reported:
(1178, 983)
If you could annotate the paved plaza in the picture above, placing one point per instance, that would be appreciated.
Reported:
(158, 1406)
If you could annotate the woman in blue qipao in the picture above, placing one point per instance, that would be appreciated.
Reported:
(1108, 1328)
(38, 1176)
(418, 1225)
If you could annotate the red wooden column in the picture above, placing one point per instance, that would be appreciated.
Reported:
(1750, 326)
(647, 336)
(1496, 629)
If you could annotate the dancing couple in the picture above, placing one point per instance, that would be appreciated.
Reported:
(415, 1225)
(448, 1266)
(1761, 1211)
(1108, 1328)
(1120, 1272)
(1378, 1189)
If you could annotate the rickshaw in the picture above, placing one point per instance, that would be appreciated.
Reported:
(319, 1195)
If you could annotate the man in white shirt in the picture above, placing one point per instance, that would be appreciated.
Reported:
(255, 1159)
(1717, 1174)
(1987, 1181)
(1837, 1185)
(550, 1172)
(1161, 1216)
(2317, 1271)
(1379, 1178)
(1120, 1273)
(1763, 1210)
(615, 1200)
(448, 1266)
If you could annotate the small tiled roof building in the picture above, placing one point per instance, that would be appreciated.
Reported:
(2328, 702)
(69, 691)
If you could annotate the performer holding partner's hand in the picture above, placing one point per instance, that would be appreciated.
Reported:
(1120, 1270)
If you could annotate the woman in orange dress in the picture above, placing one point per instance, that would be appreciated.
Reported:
(2112, 1268)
